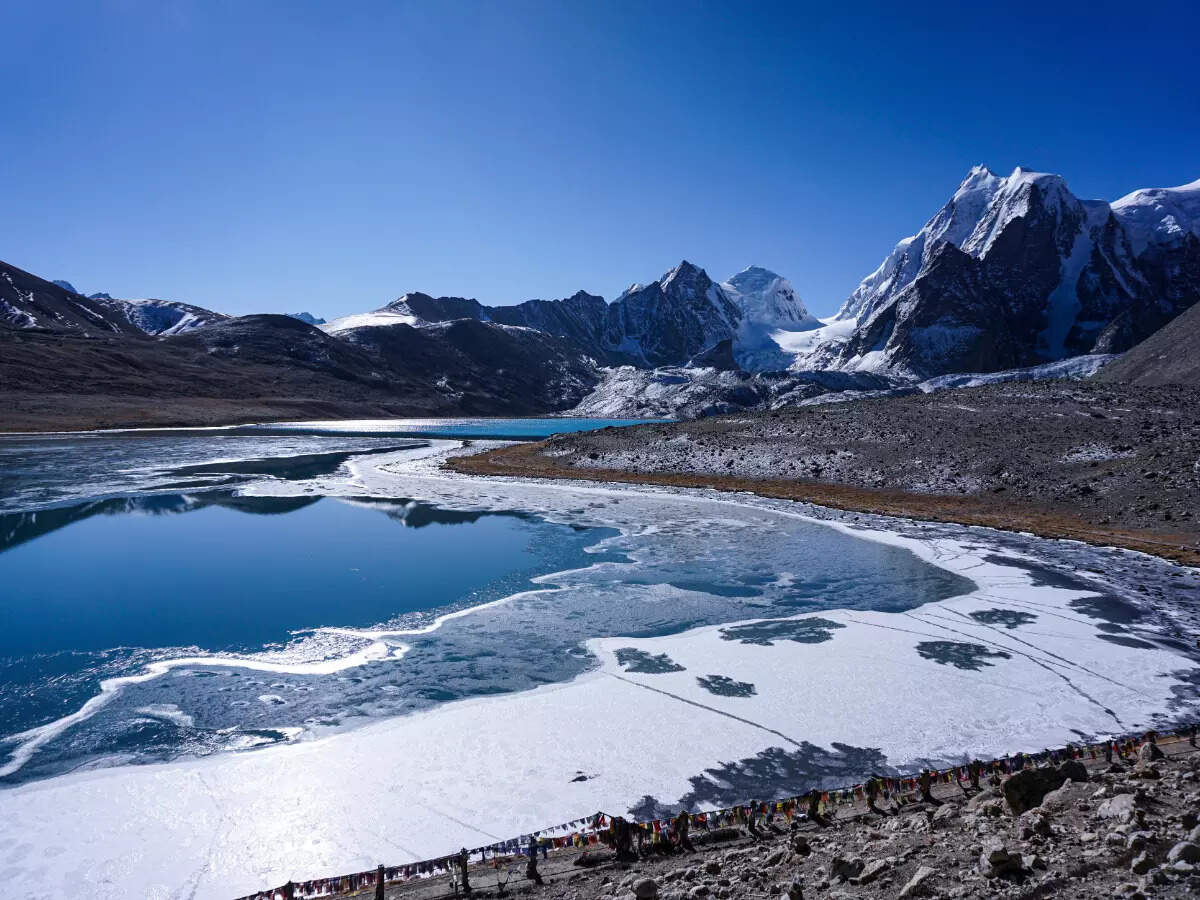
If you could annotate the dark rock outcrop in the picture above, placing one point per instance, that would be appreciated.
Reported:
(1025, 790)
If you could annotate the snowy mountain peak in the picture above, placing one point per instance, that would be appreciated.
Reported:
(1160, 215)
(401, 303)
(768, 304)
(751, 278)
(978, 177)
(1015, 271)
(307, 318)
(952, 224)
(768, 299)
(1016, 196)
(684, 273)
(1023, 179)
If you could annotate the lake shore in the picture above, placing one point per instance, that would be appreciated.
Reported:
(1115, 834)
(1080, 462)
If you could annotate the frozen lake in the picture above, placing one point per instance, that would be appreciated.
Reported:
(235, 648)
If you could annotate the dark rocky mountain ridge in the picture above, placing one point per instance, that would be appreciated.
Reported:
(665, 323)
(72, 363)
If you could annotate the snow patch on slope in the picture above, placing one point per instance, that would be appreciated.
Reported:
(377, 319)
(1160, 215)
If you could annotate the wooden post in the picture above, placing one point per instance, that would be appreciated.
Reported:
(379, 877)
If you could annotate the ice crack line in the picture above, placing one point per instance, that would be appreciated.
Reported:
(1049, 667)
(468, 825)
(1050, 653)
(719, 712)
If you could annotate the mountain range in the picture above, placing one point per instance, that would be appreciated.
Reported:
(1011, 272)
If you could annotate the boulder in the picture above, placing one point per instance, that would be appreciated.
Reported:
(645, 889)
(918, 884)
(1141, 864)
(1065, 796)
(842, 869)
(774, 859)
(1026, 789)
(981, 798)
(995, 860)
(1136, 840)
(945, 815)
(1034, 823)
(870, 872)
(1185, 851)
(1122, 807)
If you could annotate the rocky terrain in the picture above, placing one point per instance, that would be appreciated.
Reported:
(1169, 356)
(1078, 830)
(1101, 463)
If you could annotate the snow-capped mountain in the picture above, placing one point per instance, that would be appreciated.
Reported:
(27, 301)
(665, 322)
(1162, 216)
(768, 299)
(767, 303)
(1014, 272)
(671, 320)
(307, 318)
(160, 317)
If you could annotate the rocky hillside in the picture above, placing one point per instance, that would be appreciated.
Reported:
(257, 368)
(1169, 356)
(1101, 463)
(27, 301)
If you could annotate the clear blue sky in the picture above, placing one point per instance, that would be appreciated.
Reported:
(252, 156)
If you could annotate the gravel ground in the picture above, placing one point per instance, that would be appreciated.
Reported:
(1127, 831)
(1103, 463)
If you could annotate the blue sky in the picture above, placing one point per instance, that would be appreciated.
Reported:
(257, 156)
